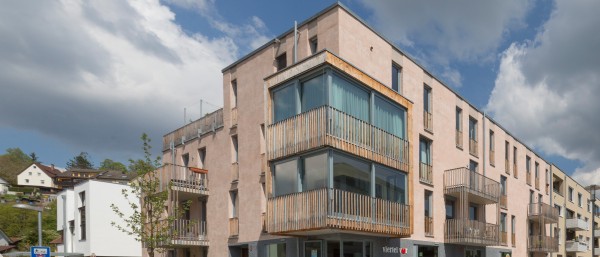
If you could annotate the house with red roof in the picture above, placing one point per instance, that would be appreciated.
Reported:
(38, 175)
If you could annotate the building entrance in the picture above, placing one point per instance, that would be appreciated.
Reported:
(427, 251)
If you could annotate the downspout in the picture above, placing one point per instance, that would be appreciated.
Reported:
(483, 141)
(295, 42)
(551, 193)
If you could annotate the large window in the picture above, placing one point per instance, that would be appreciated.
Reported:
(351, 174)
(349, 98)
(276, 250)
(503, 185)
(425, 151)
(389, 117)
(397, 78)
(472, 129)
(284, 103)
(314, 174)
(428, 204)
(286, 177)
(390, 184)
(449, 209)
(503, 222)
(313, 93)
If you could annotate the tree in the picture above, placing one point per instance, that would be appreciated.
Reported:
(13, 162)
(147, 221)
(81, 161)
(33, 157)
(109, 164)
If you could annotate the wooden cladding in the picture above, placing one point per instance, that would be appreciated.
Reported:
(503, 201)
(209, 123)
(539, 243)
(528, 178)
(506, 166)
(336, 209)
(182, 232)
(463, 179)
(234, 227)
(513, 239)
(425, 173)
(327, 126)
(180, 178)
(473, 232)
(537, 183)
(427, 121)
(543, 210)
(473, 147)
(428, 226)
(235, 171)
(492, 157)
(234, 116)
(515, 170)
(504, 238)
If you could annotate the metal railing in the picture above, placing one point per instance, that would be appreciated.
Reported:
(188, 230)
(209, 123)
(459, 179)
(539, 243)
(471, 232)
(181, 178)
(327, 126)
(549, 213)
(425, 173)
(428, 121)
(336, 209)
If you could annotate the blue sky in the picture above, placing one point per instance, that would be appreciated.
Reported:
(93, 76)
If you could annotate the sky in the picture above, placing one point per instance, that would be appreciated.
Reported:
(92, 76)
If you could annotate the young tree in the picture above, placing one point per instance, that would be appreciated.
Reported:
(33, 157)
(109, 164)
(148, 221)
(81, 161)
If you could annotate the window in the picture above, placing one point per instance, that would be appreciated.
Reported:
(351, 175)
(389, 117)
(39, 174)
(459, 129)
(425, 151)
(427, 108)
(528, 165)
(492, 147)
(314, 45)
(531, 196)
(503, 222)
(506, 153)
(397, 78)
(449, 209)
(503, 185)
(315, 170)
(350, 98)
(515, 161)
(559, 209)
(234, 203)
(42, 181)
(473, 166)
(313, 93)
(202, 158)
(185, 159)
(26, 180)
(286, 177)
(234, 144)
(30, 172)
(82, 217)
(284, 103)
(513, 224)
(570, 194)
(263, 140)
(390, 184)
(428, 203)
(579, 200)
(537, 170)
(276, 250)
(473, 215)
(472, 129)
(281, 61)
(233, 94)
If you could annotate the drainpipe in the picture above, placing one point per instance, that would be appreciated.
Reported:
(295, 41)
(483, 134)
(551, 193)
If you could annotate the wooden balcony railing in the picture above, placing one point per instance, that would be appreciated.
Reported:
(327, 209)
(327, 126)
(537, 183)
(428, 226)
(539, 243)
(235, 171)
(542, 210)
(183, 232)
(463, 179)
(209, 123)
(234, 116)
(234, 227)
(515, 170)
(459, 139)
(471, 232)
(425, 173)
(513, 239)
(427, 121)
(473, 147)
(503, 238)
(506, 166)
(503, 201)
(181, 178)
(492, 157)
(528, 178)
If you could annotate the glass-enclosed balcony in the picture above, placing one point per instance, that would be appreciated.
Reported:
(542, 212)
(480, 189)
(330, 109)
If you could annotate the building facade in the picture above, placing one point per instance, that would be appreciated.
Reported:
(84, 219)
(342, 145)
(38, 175)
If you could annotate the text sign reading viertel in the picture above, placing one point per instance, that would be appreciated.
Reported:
(40, 251)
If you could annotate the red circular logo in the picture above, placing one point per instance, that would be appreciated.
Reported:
(403, 251)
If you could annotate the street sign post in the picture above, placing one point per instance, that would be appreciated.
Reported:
(40, 251)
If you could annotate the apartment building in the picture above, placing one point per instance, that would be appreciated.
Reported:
(333, 142)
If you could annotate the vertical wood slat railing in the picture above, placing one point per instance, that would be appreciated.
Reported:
(539, 243)
(504, 238)
(234, 227)
(189, 230)
(528, 178)
(336, 209)
(179, 177)
(235, 171)
(513, 239)
(426, 173)
(537, 183)
(506, 166)
(459, 139)
(503, 201)
(473, 147)
(463, 178)
(234, 116)
(427, 121)
(328, 126)
(515, 170)
(471, 232)
(428, 226)
(199, 127)
(549, 213)
(492, 157)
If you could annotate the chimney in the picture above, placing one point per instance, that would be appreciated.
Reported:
(52, 165)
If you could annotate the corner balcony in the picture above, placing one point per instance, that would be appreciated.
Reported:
(471, 232)
(544, 244)
(480, 189)
(573, 246)
(189, 181)
(185, 233)
(597, 232)
(326, 211)
(327, 126)
(542, 212)
(576, 224)
(209, 123)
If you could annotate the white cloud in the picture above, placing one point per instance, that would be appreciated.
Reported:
(462, 30)
(547, 90)
(96, 74)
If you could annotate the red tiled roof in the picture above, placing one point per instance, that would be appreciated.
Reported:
(15, 240)
(50, 171)
(57, 241)
(6, 248)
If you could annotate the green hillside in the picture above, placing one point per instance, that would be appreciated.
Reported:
(12, 163)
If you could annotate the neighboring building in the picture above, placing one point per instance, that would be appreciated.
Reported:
(7, 244)
(86, 213)
(38, 175)
(73, 177)
(352, 149)
(3, 186)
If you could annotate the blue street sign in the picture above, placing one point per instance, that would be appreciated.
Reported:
(40, 251)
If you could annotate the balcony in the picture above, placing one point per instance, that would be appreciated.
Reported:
(234, 227)
(209, 123)
(327, 126)
(189, 180)
(542, 244)
(576, 224)
(542, 212)
(425, 173)
(481, 189)
(459, 139)
(427, 121)
(473, 147)
(428, 226)
(471, 232)
(234, 116)
(333, 211)
(187, 233)
(597, 232)
(597, 251)
(572, 246)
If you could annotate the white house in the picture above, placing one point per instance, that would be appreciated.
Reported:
(38, 175)
(3, 186)
(86, 211)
